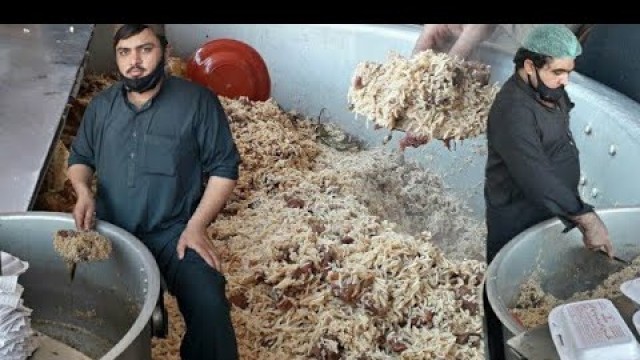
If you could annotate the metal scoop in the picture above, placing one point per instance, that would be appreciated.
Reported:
(616, 258)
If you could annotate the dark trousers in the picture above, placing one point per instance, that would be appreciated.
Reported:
(493, 328)
(503, 224)
(200, 292)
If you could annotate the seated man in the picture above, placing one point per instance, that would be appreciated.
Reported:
(151, 138)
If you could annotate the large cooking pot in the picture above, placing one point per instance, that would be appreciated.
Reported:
(311, 66)
(561, 261)
(107, 311)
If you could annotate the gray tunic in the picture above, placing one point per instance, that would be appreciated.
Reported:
(151, 162)
(533, 165)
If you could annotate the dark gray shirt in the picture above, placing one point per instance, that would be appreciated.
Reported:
(533, 161)
(150, 162)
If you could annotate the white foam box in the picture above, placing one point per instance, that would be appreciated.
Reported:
(592, 330)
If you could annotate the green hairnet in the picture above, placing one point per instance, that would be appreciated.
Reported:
(553, 40)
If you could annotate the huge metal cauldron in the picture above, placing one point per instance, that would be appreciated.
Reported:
(106, 311)
(561, 261)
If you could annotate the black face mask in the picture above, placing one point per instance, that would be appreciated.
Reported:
(145, 83)
(546, 93)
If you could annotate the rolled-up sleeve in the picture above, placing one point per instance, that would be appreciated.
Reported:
(83, 145)
(515, 137)
(218, 152)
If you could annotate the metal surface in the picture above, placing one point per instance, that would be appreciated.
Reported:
(537, 344)
(106, 312)
(311, 66)
(51, 349)
(623, 262)
(560, 260)
(72, 270)
(39, 66)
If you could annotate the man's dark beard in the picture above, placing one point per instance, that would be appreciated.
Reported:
(545, 92)
(147, 82)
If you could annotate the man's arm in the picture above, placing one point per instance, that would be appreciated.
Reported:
(464, 38)
(80, 176)
(220, 161)
(84, 215)
(81, 168)
(215, 196)
(514, 136)
(455, 39)
(195, 234)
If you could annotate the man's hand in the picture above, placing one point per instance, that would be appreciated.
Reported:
(594, 233)
(195, 237)
(462, 38)
(84, 212)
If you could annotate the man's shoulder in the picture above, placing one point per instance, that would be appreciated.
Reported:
(108, 94)
(509, 94)
(509, 102)
(187, 86)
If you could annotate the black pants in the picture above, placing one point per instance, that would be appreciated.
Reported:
(200, 292)
(503, 224)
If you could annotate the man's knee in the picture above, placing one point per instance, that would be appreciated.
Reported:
(200, 287)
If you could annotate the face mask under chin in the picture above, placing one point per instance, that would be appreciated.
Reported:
(147, 82)
(545, 92)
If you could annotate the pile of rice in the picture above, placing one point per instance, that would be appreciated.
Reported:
(431, 95)
(81, 246)
(534, 304)
(313, 272)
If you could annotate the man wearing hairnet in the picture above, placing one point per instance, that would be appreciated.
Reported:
(533, 167)
(606, 58)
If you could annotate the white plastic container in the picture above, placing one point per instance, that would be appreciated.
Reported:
(11, 265)
(592, 330)
(631, 289)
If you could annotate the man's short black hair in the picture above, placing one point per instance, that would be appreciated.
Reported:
(523, 54)
(128, 30)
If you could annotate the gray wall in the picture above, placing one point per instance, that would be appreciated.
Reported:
(100, 53)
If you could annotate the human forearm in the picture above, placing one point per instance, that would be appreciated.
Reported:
(594, 232)
(423, 42)
(456, 39)
(215, 196)
(587, 221)
(81, 176)
(470, 38)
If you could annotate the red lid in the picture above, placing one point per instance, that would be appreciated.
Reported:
(230, 68)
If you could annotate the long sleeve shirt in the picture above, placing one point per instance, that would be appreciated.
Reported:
(150, 162)
(533, 161)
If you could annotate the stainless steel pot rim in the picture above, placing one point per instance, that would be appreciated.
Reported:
(148, 262)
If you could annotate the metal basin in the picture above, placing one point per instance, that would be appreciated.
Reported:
(561, 260)
(311, 66)
(105, 312)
